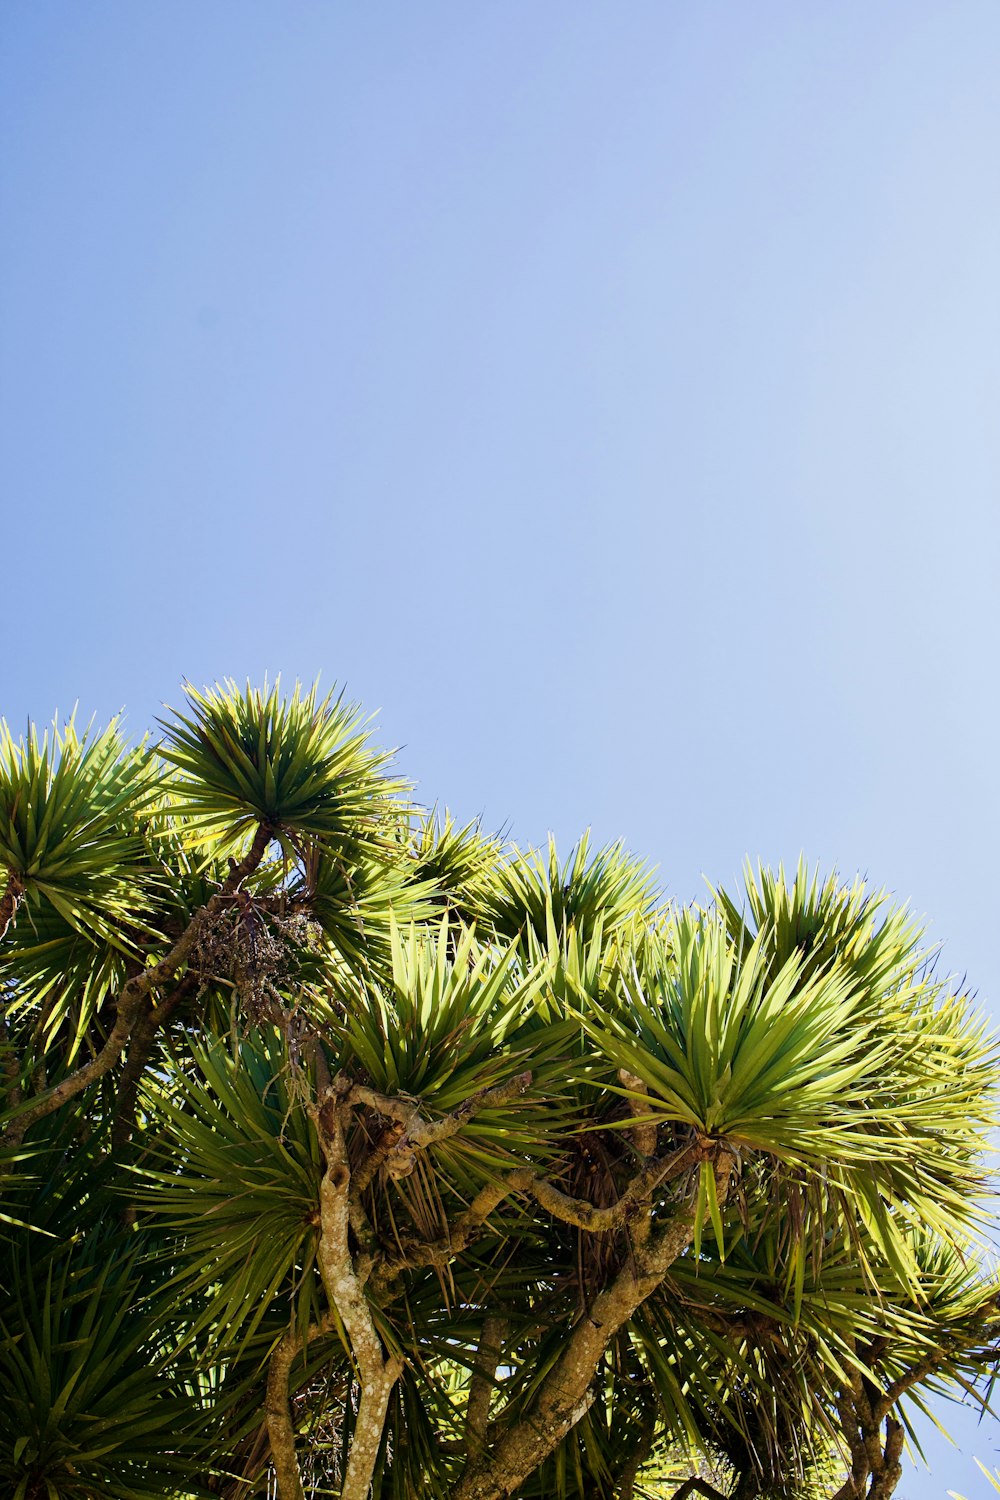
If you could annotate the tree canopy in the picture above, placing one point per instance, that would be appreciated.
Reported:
(347, 1151)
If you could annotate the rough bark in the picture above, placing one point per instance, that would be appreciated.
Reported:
(577, 1211)
(875, 1455)
(279, 1422)
(481, 1386)
(641, 1449)
(378, 1371)
(566, 1393)
(280, 1427)
(414, 1256)
(643, 1138)
(140, 1048)
(421, 1133)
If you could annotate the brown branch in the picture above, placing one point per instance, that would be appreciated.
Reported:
(641, 1449)
(643, 1137)
(861, 1419)
(696, 1486)
(140, 1047)
(9, 902)
(378, 1371)
(585, 1215)
(860, 1468)
(927, 1366)
(567, 1391)
(420, 1133)
(482, 1384)
(892, 1468)
(278, 1406)
(643, 1132)
(364, 1173)
(415, 1254)
(280, 1425)
(134, 991)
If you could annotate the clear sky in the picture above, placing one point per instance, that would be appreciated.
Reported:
(608, 393)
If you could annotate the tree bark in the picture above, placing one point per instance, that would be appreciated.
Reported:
(640, 1452)
(481, 1386)
(280, 1427)
(566, 1392)
(377, 1371)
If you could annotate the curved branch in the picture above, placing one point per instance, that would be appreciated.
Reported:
(421, 1133)
(134, 991)
(567, 1390)
(584, 1215)
(481, 1386)
(696, 1486)
(345, 1291)
(140, 1048)
(641, 1449)
(278, 1408)
(280, 1426)
(415, 1255)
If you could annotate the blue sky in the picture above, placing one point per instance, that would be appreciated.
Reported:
(607, 393)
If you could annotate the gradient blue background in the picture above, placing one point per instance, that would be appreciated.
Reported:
(609, 392)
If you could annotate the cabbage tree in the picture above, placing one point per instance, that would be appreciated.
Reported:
(347, 1151)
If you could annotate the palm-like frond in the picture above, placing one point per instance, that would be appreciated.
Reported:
(68, 804)
(531, 890)
(88, 1410)
(354, 904)
(247, 979)
(460, 864)
(439, 1032)
(59, 977)
(819, 1069)
(242, 1209)
(299, 765)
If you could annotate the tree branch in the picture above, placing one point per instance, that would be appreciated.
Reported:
(696, 1486)
(927, 1366)
(414, 1255)
(567, 1390)
(421, 1133)
(641, 1449)
(278, 1407)
(280, 1426)
(134, 991)
(643, 1137)
(378, 1372)
(585, 1215)
(140, 1047)
(481, 1386)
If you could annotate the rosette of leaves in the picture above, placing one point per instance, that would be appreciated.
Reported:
(849, 1079)
(92, 1403)
(68, 835)
(296, 765)
(537, 893)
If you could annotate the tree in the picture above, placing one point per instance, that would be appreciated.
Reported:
(351, 1152)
